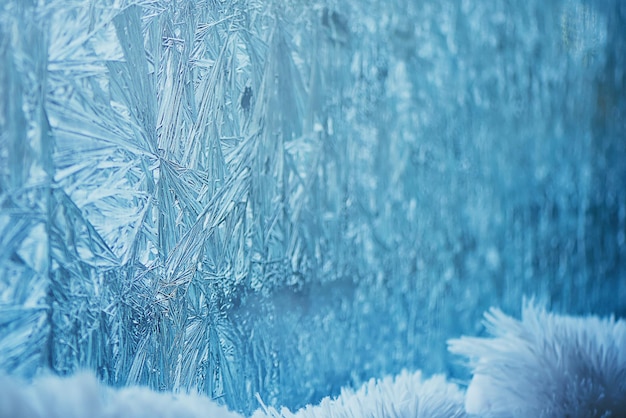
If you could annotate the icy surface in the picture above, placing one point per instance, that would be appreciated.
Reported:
(289, 197)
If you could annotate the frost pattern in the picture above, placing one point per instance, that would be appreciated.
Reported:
(284, 198)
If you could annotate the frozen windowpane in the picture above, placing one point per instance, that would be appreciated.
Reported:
(291, 197)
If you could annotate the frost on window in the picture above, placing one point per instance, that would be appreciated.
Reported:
(290, 197)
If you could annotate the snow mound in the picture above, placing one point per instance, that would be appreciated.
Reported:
(405, 395)
(82, 396)
(546, 365)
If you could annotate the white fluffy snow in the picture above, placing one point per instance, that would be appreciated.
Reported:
(82, 396)
(547, 365)
(406, 395)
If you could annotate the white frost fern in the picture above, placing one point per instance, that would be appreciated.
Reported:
(403, 396)
(546, 365)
